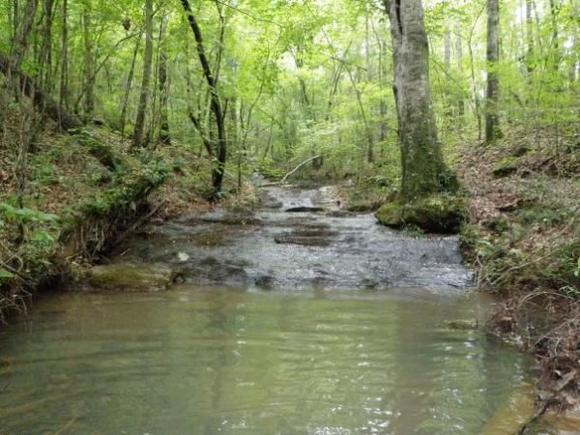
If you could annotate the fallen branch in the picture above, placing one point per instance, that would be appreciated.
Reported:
(137, 224)
(293, 171)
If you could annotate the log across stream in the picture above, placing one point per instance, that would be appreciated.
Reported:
(305, 322)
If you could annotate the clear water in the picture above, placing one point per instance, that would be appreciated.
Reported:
(339, 341)
(205, 361)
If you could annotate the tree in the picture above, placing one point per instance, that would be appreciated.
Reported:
(492, 94)
(216, 106)
(164, 137)
(89, 60)
(139, 139)
(423, 169)
(63, 89)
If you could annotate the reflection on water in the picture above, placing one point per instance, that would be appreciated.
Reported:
(225, 361)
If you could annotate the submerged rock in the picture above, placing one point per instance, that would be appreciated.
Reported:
(313, 236)
(462, 325)
(340, 213)
(214, 270)
(132, 277)
(434, 214)
(291, 239)
(265, 282)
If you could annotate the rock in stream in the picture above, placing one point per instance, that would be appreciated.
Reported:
(132, 277)
(272, 249)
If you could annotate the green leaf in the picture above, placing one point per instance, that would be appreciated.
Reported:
(5, 274)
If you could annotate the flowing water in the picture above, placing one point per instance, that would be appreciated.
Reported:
(285, 323)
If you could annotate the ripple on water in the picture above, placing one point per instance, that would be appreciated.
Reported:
(200, 360)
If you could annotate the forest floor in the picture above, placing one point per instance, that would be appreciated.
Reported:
(524, 243)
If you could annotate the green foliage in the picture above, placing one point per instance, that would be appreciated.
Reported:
(269, 169)
(46, 175)
(25, 215)
(568, 264)
(128, 188)
(103, 152)
(5, 275)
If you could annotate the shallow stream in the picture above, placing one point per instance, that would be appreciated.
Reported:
(302, 322)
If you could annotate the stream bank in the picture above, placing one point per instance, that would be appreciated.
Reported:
(85, 190)
(523, 241)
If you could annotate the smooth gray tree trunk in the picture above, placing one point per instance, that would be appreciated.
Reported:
(423, 169)
(138, 136)
(492, 131)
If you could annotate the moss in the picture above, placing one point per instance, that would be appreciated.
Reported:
(506, 166)
(434, 214)
(391, 215)
(498, 224)
(146, 277)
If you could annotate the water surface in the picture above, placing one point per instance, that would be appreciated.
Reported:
(287, 323)
(211, 361)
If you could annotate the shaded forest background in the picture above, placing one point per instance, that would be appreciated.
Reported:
(293, 79)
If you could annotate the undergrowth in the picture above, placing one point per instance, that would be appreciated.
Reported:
(524, 243)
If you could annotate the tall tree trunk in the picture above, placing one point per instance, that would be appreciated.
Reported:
(129, 84)
(15, 19)
(529, 37)
(368, 132)
(492, 131)
(575, 52)
(555, 49)
(28, 119)
(45, 61)
(63, 91)
(459, 59)
(447, 49)
(216, 106)
(423, 169)
(164, 137)
(382, 54)
(89, 81)
(447, 63)
(139, 141)
(21, 39)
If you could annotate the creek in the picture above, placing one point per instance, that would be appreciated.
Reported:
(298, 318)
